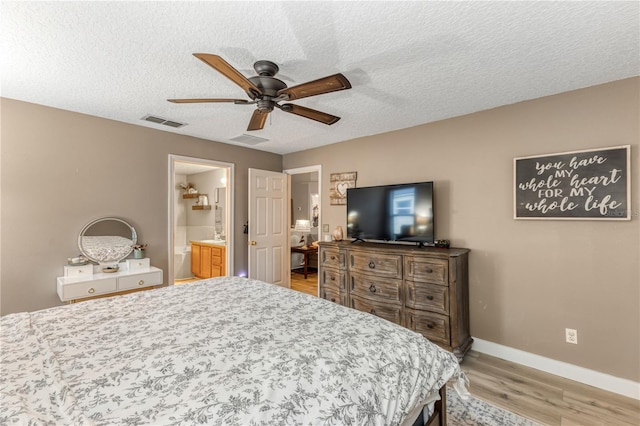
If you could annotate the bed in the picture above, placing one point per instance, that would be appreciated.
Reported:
(221, 351)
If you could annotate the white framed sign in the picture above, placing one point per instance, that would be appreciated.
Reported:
(593, 184)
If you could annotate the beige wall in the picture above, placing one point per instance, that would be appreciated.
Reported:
(529, 280)
(61, 169)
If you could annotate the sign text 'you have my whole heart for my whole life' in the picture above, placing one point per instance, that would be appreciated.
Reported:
(578, 185)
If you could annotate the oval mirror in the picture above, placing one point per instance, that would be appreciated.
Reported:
(107, 240)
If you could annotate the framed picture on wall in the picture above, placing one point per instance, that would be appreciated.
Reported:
(593, 184)
(339, 183)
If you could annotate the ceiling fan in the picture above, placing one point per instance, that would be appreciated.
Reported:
(267, 92)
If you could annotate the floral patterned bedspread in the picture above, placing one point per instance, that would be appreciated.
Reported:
(223, 351)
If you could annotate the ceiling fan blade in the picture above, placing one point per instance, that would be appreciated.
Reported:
(193, 101)
(257, 120)
(328, 84)
(322, 117)
(222, 66)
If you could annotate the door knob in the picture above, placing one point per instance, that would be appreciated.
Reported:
(253, 243)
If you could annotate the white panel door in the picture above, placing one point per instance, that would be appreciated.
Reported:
(268, 236)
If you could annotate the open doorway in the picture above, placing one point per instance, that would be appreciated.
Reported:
(200, 215)
(305, 196)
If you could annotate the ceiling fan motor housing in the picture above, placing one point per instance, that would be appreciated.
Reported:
(268, 85)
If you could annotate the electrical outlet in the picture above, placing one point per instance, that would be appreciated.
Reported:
(571, 335)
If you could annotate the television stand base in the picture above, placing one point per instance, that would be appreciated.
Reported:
(355, 240)
(422, 244)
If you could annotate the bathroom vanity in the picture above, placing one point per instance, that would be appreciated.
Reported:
(208, 258)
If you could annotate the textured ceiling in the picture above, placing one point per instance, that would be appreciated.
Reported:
(409, 62)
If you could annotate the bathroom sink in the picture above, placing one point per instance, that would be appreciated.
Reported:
(218, 242)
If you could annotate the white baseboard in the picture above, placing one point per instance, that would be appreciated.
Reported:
(594, 378)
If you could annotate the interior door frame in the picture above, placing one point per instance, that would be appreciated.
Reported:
(230, 167)
(300, 170)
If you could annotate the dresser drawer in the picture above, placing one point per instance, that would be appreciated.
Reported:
(330, 294)
(385, 290)
(333, 278)
(140, 280)
(138, 264)
(433, 326)
(332, 258)
(78, 271)
(429, 297)
(388, 311)
(84, 289)
(216, 251)
(389, 266)
(428, 270)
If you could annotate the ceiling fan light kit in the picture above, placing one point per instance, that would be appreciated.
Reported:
(266, 91)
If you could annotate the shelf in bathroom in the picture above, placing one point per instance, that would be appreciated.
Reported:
(196, 195)
(208, 207)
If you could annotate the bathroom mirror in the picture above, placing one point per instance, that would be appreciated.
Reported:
(107, 240)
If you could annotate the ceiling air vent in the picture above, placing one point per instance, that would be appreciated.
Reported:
(249, 140)
(163, 121)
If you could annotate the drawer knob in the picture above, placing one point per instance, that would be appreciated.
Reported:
(333, 258)
(373, 311)
(430, 325)
(91, 290)
(333, 299)
(333, 278)
(429, 297)
(372, 288)
(141, 282)
(372, 265)
(429, 270)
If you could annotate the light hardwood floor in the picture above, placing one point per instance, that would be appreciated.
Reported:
(544, 397)
(309, 286)
(539, 396)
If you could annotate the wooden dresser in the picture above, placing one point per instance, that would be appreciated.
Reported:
(424, 289)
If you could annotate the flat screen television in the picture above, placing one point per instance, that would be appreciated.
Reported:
(400, 213)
